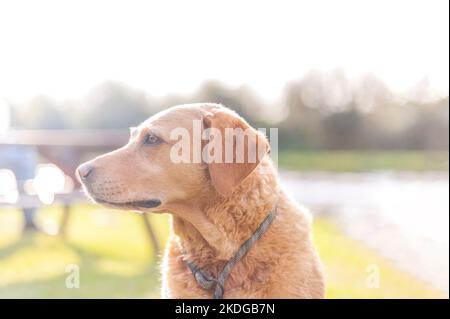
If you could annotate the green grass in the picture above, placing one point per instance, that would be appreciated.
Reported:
(359, 161)
(116, 259)
(111, 248)
(350, 265)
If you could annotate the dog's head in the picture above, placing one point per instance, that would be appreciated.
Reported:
(177, 155)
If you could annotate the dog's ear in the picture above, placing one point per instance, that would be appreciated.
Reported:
(233, 150)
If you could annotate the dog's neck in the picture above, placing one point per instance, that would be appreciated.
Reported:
(215, 227)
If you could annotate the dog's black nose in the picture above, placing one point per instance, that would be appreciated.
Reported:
(84, 171)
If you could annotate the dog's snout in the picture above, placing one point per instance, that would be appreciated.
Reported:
(84, 171)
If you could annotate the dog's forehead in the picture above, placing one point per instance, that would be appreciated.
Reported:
(179, 116)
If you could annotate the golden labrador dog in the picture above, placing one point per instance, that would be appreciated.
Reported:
(235, 233)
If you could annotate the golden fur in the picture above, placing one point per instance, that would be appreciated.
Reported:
(211, 216)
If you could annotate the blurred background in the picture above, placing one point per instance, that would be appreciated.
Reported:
(357, 89)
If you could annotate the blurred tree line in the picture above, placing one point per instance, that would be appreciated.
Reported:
(319, 111)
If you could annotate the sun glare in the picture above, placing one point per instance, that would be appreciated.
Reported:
(62, 49)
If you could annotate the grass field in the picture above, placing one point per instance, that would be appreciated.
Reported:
(348, 161)
(116, 259)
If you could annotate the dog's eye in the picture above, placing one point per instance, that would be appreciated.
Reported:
(152, 140)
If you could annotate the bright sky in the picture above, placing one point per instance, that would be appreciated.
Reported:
(63, 48)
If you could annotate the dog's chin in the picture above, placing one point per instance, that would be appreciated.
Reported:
(132, 205)
(139, 205)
